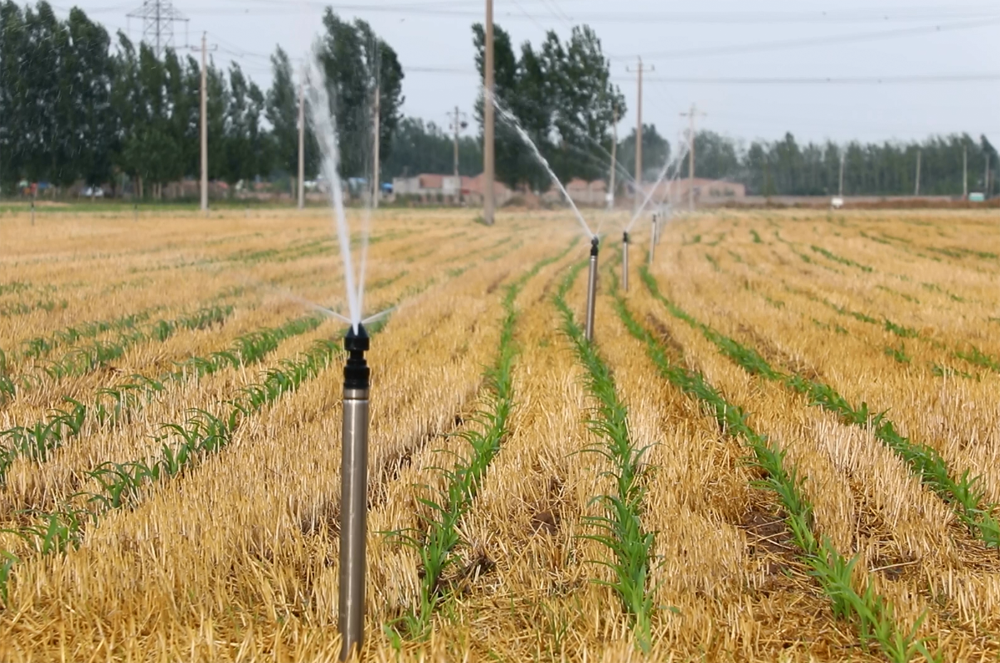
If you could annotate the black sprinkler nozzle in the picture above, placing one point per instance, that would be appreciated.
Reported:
(625, 237)
(594, 245)
(356, 372)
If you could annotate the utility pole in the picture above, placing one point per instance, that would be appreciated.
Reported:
(840, 190)
(488, 202)
(691, 115)
(377, 189)
(965, 172)
(614, 162)
(916, 189)
(457, 124)
(986, 177)
(302, 145)
(638, 133)
(204, 123)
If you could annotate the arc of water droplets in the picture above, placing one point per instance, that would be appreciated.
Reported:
(321, 119)
(508, 117)
(649, 196)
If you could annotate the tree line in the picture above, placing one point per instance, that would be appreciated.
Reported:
(77, 104)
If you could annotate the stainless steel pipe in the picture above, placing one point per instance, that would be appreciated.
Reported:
(592, 287)
(354, 494)
(652, 241)
(625, 261)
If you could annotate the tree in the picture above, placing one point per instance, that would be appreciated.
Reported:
(561, 96)
(426, 148)
(282, 112)
(655, 152)
(356, 63)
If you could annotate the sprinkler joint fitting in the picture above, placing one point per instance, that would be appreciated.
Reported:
(625, 237)
(595, 244)
(356, 372)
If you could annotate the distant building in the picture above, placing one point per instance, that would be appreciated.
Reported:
(432, 188)
(706, 192)
(581, 192)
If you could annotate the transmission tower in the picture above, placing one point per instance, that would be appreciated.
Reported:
(158, 18)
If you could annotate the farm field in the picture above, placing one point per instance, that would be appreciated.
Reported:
(782, 445)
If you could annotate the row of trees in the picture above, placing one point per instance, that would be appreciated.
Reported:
(784, 167)
(77, 105)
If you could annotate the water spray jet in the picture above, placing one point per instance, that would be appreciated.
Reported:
(592, 286)
(625, 261)
(354, 493)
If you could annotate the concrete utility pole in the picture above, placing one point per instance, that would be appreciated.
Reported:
(302, 145)
(638, 133)
(840, 189)
(378, 189)
(488, 202)
(457, 124)
(965, 172)
(986, 177)
(638, 136)
(204, 123)
(691, 115)
(916, 189)
(614, 162)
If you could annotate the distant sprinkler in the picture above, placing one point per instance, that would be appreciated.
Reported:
(354, 492)
(592, 286)
(135, 212)
(32, 212)
(652, 240)
(625, 261)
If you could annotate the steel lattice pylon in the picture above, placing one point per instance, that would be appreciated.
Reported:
(158, 18)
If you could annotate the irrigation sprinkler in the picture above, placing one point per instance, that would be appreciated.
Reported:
(625, 261)
(135, 212)
(354, 493)
(592, 287)
(652, 240)
(32, 212)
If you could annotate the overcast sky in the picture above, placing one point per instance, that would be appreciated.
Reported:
(719, 49)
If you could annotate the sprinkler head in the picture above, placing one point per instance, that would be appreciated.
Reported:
(625, 237)
(356, 371)
(594, 245)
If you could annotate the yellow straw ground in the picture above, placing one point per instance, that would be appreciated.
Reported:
(235, 558)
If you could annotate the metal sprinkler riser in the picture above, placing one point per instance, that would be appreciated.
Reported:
(625, 261)
(354, 493)
(592, 287)
(652, 241)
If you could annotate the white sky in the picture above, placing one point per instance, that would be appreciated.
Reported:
(790, 39)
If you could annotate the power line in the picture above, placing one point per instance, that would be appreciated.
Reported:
(814, 41)
(829, 80)
(158, 18)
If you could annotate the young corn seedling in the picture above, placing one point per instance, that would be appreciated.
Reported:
(620, 529)
(963, 495)
(869, 612)
(437, 539)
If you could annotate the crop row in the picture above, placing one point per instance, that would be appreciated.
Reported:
(437, 538)
(963, 494)
(869, 612)
(114, 405)
(620, 529)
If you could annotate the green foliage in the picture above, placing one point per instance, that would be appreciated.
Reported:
(563, 97)
(435, 541)
(844, 261)
(620, 530)
(964, 495)
(869, 612)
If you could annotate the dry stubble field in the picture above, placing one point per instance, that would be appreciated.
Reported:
(782, 445)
